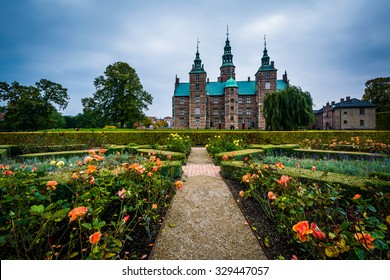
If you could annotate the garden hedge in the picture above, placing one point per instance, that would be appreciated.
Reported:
(383, 120)
(99, 138)
(239, 155)
(234, 170)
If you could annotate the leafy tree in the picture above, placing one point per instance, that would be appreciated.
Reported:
(288, 109)
(147, 122)
(119, 95)
(161, 123)
(377, 91)
(32, 107)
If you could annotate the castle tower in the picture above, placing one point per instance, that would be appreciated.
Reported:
(231, 103)
(197, 99)
(227, 68)
(265, 83)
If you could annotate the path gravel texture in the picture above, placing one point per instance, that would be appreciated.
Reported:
(204, 221)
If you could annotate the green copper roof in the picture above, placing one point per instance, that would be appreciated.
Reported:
(217, 88)
(231, 83)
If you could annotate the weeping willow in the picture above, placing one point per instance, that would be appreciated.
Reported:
(288, 109)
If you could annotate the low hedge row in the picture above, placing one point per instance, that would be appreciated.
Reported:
(234, 170)
(240, 155)
(198, 137)
(163, 155)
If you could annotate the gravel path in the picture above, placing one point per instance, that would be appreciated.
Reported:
(204, 222)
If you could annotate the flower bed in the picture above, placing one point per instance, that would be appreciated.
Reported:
(96, 207)
(325, 220)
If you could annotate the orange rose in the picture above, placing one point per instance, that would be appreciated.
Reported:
(366, 240)
(51, 185)
(102, 151)
(225, 157)
(302, 229)
(283, 180)
(279, 165)
(179, 185)
(241, 193)
(77, 212)
(95, 238)
(154, 206)
(356, 196)
(271, 195)
(91, 169)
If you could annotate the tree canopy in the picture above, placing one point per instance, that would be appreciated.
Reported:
(377, 91)
(119, 96)
(32, 107)
(288, 109)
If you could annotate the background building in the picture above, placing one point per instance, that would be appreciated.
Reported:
(226, 103)
(349, 113)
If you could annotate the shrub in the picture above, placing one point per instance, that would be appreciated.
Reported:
(224, 143)
(177, 143)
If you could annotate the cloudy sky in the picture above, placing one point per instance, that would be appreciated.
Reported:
(329, 48)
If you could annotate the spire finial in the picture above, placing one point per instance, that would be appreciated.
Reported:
(227, 31)
(265, 42)
(197, 45)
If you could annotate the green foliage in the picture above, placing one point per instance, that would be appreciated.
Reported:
(119, 96)
(288, 109)
(383, 120)
(377, 91)
(346, 224)
(96, 207)
(178, 143)
(224, 143)
(32, 108)
(244, 155)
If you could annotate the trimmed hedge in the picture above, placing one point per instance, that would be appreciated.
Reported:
(234, 170)
(198, 137)
(240, 155)
(383, 120)
(163, 155)
(303, 153)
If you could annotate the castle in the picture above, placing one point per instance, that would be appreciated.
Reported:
(226, 103)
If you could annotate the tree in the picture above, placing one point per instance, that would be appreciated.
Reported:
(32, 108)
(377, 91)
(119, 95)
(288, 109)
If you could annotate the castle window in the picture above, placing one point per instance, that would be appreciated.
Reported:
(248, 122)
(197, 99)
(223, 112)
(240, 111)
(181, 100)
(267, 75)
(267, 85)
(196, 86)
(345, 122)
(361, 123)
(239, 100)
(215, 111)
(248, 111)
(231, 99)
(197, 111)
(215, 100)
(231, 108)
(232, 118)
(361, 111)
(345, 112)
(248, 100)
(197, 120)
(182, 121)
(197, 77)
(181, 112)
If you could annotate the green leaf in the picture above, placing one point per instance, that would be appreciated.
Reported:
(371, 208)
(3, 240)
(98, 225)
(86, 225)
(118, 243)
(61, 213)
(380, 244)
(377, 234)
(50, 206)
(73, 255)
(109, 255)
(359, 253)
(36, 210)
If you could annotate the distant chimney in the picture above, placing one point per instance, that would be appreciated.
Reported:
(348, 98)
(333, 102)
(208, 80)
(249, 79)
(327, 103)
(177, 80)
(272, 64)
(341, 99)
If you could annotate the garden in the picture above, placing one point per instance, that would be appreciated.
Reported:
(306, 201)
(101, 204)
(318, 198)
